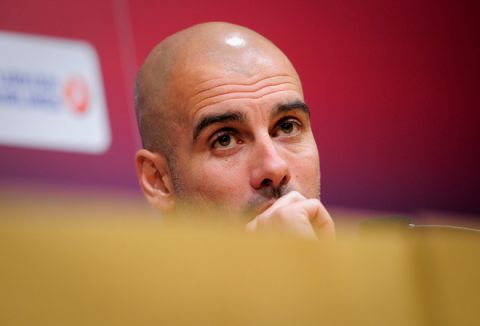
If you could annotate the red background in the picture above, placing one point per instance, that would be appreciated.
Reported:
(393, 86)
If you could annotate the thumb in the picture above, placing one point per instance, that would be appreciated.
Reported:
(323, 222)
(252, 225)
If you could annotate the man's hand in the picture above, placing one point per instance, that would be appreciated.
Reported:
(295, 214)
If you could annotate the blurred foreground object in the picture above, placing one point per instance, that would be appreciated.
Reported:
(143, 272)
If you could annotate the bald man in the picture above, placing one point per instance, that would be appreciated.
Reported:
(224, 127)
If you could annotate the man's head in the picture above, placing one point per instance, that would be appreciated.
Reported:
(223, 122)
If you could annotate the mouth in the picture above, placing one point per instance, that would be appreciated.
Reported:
(264, 199)
(257, 207)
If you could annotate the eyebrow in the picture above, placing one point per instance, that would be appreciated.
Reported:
(211, 119)
(297, 105)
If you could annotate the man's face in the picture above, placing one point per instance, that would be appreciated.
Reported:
(244, 140)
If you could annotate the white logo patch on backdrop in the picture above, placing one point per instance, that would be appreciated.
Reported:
(51, 94)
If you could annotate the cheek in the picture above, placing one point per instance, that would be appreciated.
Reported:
(306, 171)
(218, 179)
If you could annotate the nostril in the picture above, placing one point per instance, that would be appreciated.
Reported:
(285, 180)
(266, 183)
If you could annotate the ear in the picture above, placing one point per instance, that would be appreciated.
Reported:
(155, 180)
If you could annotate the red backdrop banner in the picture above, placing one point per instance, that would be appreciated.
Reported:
(393, 89)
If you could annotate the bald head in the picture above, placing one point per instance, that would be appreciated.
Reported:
(176, 69)
(223, 122)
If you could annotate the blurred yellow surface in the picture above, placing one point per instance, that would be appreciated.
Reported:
(86, 264)
(143, 273)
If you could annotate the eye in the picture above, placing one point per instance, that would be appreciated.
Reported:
(287, 128)
(225, 140)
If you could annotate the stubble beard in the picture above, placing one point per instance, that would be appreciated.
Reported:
(197, 202)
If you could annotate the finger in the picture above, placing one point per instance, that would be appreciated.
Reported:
(294, 217)
(322, 221)
(288, 199)
(252, 225)
(310, 210)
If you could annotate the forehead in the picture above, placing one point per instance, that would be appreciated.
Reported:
(211, 89)
(242, 79)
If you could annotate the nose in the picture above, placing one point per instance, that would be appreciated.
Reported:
(268, 167)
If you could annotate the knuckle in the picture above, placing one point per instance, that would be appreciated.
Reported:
(295, 195)
(262, 220)
(282, 213)
(265, 220)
